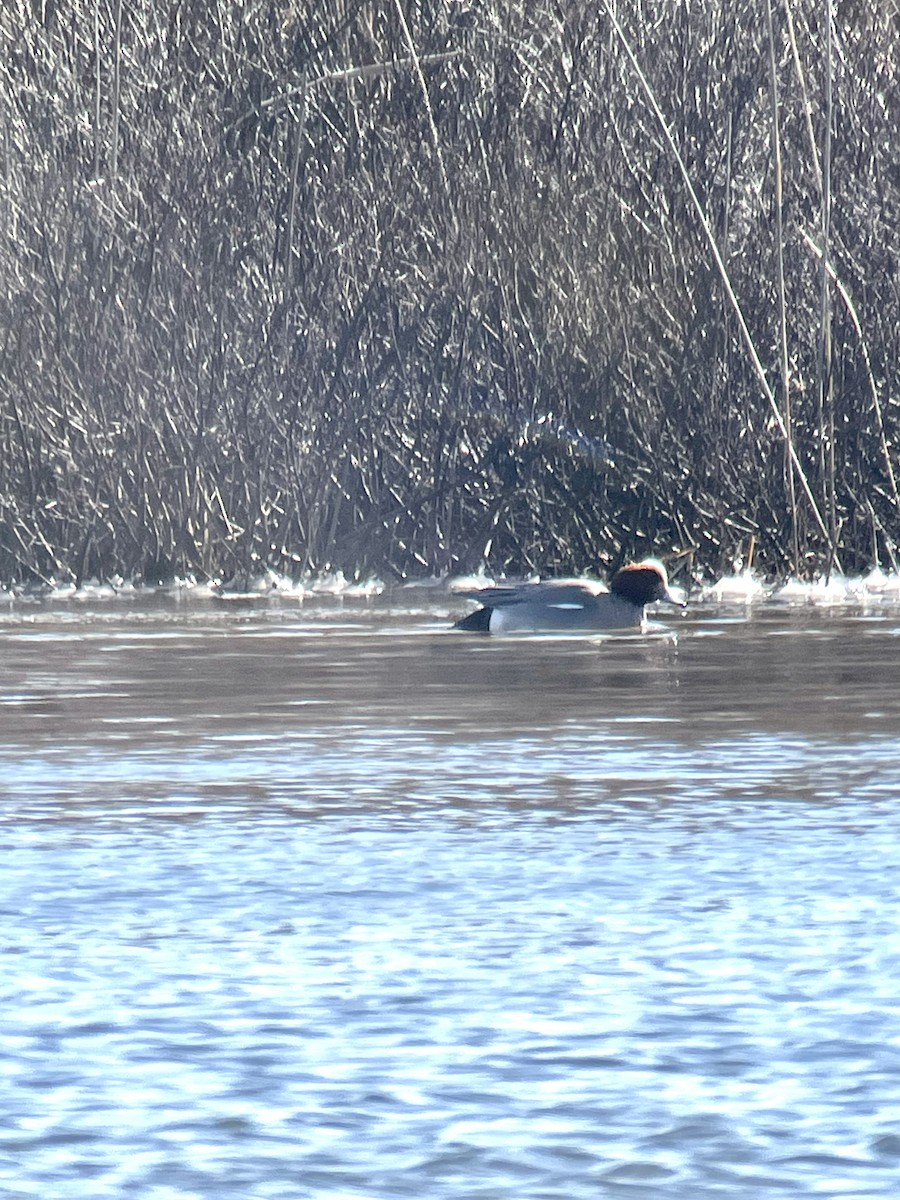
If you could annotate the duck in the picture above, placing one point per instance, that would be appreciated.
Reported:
(570, 605)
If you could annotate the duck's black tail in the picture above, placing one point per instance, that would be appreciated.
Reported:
(477, 622)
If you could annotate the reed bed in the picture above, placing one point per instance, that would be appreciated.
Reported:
(406, 288)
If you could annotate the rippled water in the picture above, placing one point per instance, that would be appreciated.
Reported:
(324, 900)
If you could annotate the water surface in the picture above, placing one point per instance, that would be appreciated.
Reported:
(323, 900)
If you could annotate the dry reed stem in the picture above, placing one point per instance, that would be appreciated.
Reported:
(729, 290)
(246, 324)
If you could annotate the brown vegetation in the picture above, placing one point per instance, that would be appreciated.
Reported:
(398, 286)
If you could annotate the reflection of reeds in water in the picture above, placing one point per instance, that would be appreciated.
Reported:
(398, 288)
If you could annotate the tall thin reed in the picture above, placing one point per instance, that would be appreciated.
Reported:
(749, 342)
(825, 380)
(97, 90)
(116, 94)
(784, 373)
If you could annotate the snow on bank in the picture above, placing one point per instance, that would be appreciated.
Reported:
(745, 588)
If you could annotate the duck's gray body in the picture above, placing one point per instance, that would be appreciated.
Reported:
(569, 605)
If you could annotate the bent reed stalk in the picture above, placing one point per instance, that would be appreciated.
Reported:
(747, 336)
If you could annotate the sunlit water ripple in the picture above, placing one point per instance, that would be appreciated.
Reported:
(333, 903)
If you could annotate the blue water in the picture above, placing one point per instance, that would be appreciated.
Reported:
(328, 902)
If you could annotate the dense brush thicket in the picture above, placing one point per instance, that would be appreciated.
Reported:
(402, 286)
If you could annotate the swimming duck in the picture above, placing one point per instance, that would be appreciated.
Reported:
(574, 605)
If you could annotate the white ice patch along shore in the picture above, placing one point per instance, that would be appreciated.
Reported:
(266, 584)
(836, 590)
(741, 589)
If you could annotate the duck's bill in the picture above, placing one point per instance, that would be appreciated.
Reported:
(676, 596)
